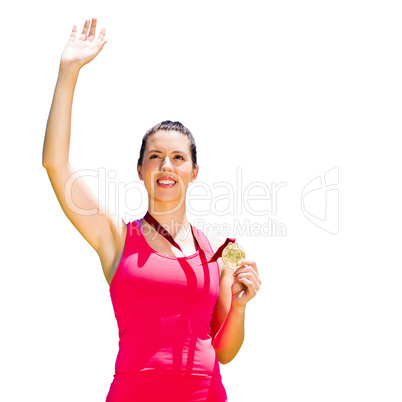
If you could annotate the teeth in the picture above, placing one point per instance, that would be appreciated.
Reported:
(166, 181)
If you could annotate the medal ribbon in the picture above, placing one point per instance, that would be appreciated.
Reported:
(164, 233)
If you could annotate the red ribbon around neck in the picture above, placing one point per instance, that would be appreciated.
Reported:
(163, 232)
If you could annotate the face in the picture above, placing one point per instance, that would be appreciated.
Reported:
(167, 169)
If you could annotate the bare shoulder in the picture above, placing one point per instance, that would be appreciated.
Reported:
(215, 243)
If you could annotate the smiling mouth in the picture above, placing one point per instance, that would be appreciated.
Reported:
(166, 181)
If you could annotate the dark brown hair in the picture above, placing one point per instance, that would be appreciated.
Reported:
(169, 126)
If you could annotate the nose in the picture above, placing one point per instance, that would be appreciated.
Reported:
(167, 165)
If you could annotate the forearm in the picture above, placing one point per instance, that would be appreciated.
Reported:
(229, 338)
(57, 138)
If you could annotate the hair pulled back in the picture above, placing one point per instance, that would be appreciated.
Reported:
(168, 125)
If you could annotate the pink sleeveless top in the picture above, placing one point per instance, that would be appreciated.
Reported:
(163, 307)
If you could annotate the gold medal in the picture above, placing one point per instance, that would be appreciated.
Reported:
(232, 254)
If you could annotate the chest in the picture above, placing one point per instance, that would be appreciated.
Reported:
(166, 283)
(162, 246)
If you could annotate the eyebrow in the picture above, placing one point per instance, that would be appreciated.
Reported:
(159, 152)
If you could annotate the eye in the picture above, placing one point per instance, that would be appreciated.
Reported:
(153, 156)
(179, 157)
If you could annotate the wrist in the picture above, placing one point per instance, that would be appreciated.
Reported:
(238, 309)
(68, 69)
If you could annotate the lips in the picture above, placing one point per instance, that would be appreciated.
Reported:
(166, 181)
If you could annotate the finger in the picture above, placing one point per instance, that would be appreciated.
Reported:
(248, 272)
(250, 285)
(245, 262)
(103, 44)
(246, 268)
(73, 34)
(83, 35)
(92, 30)
(102, 34)
(250, 276)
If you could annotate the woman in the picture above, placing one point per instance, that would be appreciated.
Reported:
(179, 312)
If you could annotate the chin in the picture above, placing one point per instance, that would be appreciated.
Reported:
(168, 199)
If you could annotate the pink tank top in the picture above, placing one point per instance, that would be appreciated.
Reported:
(163, 307)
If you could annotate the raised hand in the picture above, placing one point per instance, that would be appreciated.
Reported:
(86, 48)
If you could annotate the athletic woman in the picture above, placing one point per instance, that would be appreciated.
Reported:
(179, 310)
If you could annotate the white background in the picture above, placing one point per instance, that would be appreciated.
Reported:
(284, 91)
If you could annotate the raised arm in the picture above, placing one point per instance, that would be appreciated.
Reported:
(101, 230)
(76, 54)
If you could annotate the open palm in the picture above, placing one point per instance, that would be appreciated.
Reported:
(86, 48)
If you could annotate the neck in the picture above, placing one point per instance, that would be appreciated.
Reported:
(174, 222)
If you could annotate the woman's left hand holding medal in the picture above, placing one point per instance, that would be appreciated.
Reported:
(246, 283)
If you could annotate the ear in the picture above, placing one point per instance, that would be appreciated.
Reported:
(194, 174)
(139, 172)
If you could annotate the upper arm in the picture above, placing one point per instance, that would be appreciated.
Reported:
(224, 300)
(82, 207)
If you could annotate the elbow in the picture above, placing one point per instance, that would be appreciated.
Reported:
(45, 161)
(51, 165)
(50, 160)
(225, 354)
(47, 166)
(224, 358)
